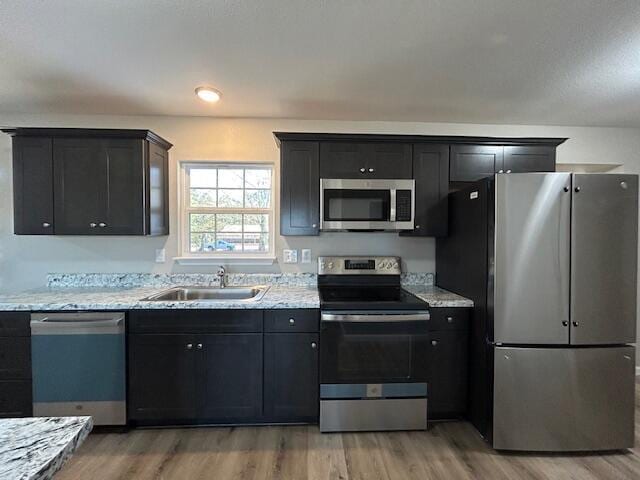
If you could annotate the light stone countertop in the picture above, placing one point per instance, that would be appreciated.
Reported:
(36, 448)
(438, 297)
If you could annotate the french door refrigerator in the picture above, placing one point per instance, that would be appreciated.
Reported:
(550, 260)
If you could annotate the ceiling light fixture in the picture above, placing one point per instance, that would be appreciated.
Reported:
(208, 94)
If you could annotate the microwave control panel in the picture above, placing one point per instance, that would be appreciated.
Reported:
(403, 205)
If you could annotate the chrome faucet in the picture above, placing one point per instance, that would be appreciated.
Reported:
(222, 277)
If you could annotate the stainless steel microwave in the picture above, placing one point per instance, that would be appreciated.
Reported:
(374, 204)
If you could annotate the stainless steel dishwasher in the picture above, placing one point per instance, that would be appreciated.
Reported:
(78, 362)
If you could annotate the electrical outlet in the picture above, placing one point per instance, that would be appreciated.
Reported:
(306, 255)
(161, 255)
(290, 256)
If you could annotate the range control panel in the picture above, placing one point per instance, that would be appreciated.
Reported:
(359, 266)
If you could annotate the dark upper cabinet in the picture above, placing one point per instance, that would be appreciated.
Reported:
(90, 182)
(431, 173)
(365, 160)
(299, 188)
(469, 163)
(32, 186)
(163, 384)
(291, 377)
(447, 374)
(230, 377)
(529, 158)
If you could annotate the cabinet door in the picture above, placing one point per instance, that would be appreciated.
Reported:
(162, 377)
(15, 399)
(431, 173)
(125, 195)
(447, 374)
(474, 162)
(291, 377)
(365, 160)
(300, 188)
(15, 358)
(230, 377)
(33, 186)
(529, 158)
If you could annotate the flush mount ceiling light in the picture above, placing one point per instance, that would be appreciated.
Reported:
(208, 94)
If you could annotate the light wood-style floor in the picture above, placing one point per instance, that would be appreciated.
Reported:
(447, 451)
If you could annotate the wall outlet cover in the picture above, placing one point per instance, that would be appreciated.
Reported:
(290, 256)
(306, 255)
(161, 255)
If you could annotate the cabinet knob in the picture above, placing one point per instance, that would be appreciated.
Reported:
(449, 319)
(371, 170)
(102, 224)
(565, 323)
(575, 324)
(292, 321)
(314, 225)
(577, 189)
(199, 346)
(93, 225)
(189, 346)
(314, 345)
(508, 171)
(434, 342)
(566, 189)
(500, 171)
(362, 170)
(46, 224)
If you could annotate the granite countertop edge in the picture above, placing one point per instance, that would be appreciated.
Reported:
(277, 297)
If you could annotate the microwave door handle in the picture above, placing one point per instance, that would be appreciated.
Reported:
(392, 200)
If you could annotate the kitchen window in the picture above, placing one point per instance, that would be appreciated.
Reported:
(227, 210)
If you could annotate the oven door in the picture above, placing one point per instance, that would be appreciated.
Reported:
(365, 347)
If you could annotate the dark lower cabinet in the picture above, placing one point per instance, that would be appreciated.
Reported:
(230, 377)
(291, 377)
(431, 173)
(299, 188)
(15, 398)
(162, 378)
(447, 374)
(15, 365)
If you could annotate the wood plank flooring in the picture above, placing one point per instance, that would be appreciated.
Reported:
(448, 451)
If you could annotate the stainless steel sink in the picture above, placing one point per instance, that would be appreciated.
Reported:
(209, 294)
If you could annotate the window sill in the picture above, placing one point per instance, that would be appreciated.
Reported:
(211, 260)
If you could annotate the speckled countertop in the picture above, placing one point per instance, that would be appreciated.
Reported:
(438, 297)
(36, 448)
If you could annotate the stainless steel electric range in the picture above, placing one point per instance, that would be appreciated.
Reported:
(373, 347)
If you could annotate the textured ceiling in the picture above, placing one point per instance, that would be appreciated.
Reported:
(568, 62)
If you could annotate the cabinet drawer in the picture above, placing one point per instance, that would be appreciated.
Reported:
(196, 321)
(15, 358)
(300, 320)
(15, 399)
(449, 318)
(15, 324)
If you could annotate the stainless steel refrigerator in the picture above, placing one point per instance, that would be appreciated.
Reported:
(550, 260)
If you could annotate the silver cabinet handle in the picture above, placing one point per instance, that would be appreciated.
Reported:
(371, 170)
(450, 319)
(292, 321)
(102, 224)
(189, 346)
(314, 345)
(434, 342)
(508, 171)
(46, 224)
(362, 170)
(500, 171)
(199, 346)
(565, 323)
(93, 225)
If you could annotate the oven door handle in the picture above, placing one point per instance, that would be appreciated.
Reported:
(373, 318)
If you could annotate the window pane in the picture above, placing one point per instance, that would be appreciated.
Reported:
(257, 178)
(203, 197)
(202, 222)
(230, 178)
(202, 242)
(229, 223)
(257, 198)
(256, 223)
(229, 242)
(256, 242)
(230, 198)
(202, 177)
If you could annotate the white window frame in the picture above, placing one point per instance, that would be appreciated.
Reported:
(184, 210)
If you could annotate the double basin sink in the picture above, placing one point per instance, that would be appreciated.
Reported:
(209, 294)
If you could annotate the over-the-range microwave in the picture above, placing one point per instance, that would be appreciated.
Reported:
(373, 204)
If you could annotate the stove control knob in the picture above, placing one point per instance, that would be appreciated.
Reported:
(322, 265)
(330, 265)
(395, 265)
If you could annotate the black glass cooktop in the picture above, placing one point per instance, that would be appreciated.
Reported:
(368, 298)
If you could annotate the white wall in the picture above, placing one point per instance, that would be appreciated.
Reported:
(25, 260)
